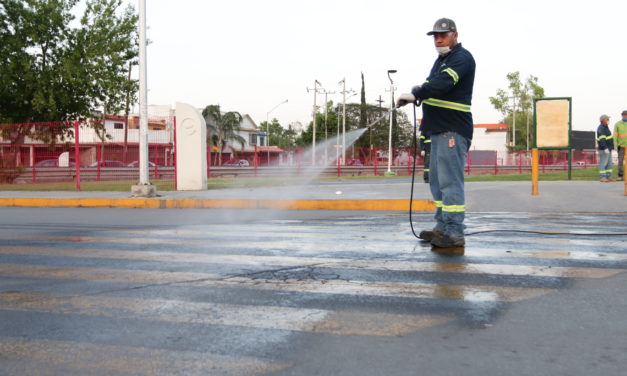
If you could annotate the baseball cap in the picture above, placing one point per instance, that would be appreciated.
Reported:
(443, 25)
(604, 117)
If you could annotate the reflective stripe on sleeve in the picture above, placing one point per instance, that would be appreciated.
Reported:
(453, 74)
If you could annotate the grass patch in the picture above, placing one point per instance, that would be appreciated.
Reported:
(591, 174)
(161, 185)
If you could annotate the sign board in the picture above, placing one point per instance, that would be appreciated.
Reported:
(552, 122)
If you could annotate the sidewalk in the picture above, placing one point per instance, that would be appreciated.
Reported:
(384, 194)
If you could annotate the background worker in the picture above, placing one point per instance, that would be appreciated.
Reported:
(446, 96)
(605, 143)
(620, 140)
(425, 151)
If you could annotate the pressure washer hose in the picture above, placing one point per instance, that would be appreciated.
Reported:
(411, 200)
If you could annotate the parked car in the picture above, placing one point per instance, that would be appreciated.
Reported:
(354, 162)
(108, 163)
(51, 163)
(236, 163)
(574, 163)
(136, 164)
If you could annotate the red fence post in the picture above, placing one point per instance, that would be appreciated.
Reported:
(208, 162)
(255, 161)
(98, 157)
(77, 157)
(34, 174)
(469, 161)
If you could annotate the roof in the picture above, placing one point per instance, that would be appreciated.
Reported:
(493, 127)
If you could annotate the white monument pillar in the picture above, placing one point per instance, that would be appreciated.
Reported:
(191, 149)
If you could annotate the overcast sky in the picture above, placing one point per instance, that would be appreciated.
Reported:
(249, 56)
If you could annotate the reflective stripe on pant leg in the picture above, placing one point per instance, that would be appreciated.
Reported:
(605, 163)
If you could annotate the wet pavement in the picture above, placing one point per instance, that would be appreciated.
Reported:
(215, 292)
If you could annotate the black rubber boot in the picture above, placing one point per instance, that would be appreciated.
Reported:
(430, 235)
(447, 241)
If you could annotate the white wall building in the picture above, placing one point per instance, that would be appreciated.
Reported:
(490, 137)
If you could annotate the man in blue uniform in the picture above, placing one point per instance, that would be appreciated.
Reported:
(605, 142)
(446, 96)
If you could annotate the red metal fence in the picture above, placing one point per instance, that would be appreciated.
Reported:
(50, 152)
(80, 151)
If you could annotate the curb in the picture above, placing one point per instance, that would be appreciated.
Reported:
(156, 203)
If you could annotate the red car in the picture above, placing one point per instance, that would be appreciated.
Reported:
(354, 162)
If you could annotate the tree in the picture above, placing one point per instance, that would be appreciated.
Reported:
(516, 106)
(283, 138)
(51, 72)
(222, 128)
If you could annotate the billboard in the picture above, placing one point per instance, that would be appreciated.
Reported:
(552, 122)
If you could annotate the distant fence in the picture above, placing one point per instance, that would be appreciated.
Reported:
(32, 153)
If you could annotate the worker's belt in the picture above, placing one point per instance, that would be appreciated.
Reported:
(445, 104)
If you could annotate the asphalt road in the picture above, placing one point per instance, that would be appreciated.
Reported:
(217, 292)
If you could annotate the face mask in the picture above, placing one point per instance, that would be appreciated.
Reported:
(625, 119)
(443, 50)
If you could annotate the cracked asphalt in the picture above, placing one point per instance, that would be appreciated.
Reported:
(250, 292)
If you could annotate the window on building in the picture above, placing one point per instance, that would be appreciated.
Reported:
(118, 125)
(252, 139)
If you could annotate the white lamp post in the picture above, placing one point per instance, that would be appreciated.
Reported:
(268, 127)
(389, 172)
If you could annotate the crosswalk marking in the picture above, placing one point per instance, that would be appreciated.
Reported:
(287, 261)
(21, 356)
(278, 280)
(353, 287)
(267, 317)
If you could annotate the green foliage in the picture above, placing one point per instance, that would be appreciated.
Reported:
(222, 128)
(279, 136)
(50, 71)
(517, 102)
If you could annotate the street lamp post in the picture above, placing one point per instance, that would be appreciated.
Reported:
(315, 112)
(268, 127)
(389, 172)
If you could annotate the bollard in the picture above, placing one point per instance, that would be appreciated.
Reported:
(534, 172)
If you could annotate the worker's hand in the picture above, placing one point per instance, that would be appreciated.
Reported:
(415, 88)
(606, 151)
(422, 153)
(404, 99)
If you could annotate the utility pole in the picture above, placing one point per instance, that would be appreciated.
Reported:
(380, 101)
(389, 171)
(315, 112)
(343, 92)
(143, 188)
(326, 118)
